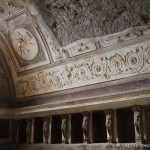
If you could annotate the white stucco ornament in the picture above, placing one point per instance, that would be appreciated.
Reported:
(32, 10)
(25, 44)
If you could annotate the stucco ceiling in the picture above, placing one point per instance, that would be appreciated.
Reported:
(33, 35)
(72, 20)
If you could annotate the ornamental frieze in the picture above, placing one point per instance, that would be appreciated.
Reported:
(87, 45)
(111, 65)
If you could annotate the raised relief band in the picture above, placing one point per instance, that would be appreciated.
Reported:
(117, 64)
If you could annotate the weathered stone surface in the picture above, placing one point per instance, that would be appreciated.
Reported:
(71, 20)
(85, 147)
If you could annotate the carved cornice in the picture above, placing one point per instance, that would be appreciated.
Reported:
(89, 104)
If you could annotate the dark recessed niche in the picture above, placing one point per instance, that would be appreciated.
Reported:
(38, 130)
(56, 130)
(22, 139)
(98, 127)
(4, 129)
(125, 124)
(76, 128)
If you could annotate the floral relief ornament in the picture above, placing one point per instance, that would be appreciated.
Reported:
(96, 69)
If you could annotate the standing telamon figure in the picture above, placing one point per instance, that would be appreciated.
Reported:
(85, 127)
(64, 129)
(138, 123)
(109, 125)
(46, 130)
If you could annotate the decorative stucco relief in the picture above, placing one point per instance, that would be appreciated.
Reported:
(25, 44)
(116, 64)
(9, 7)
(90, 44)
(34, 45)
(28, 48)
(53, 46)
(28, 23)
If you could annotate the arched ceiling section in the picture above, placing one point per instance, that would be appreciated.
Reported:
(26, 42)
(72, 20)
(40, 65)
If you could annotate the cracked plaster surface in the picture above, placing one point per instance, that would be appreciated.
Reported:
(72, 20)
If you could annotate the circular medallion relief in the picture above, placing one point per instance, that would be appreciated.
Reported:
(98, 68)
(134, 60)
(25, 44)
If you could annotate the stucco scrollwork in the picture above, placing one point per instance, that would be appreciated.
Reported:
(42, 80)
(68, 75)
(98, 68)
(22, 87)
(135, 60)
(56, 80)
(148, 54)
(57, 55)
(34, 84)
(83, 72)
(116, 63)
(122, 63)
